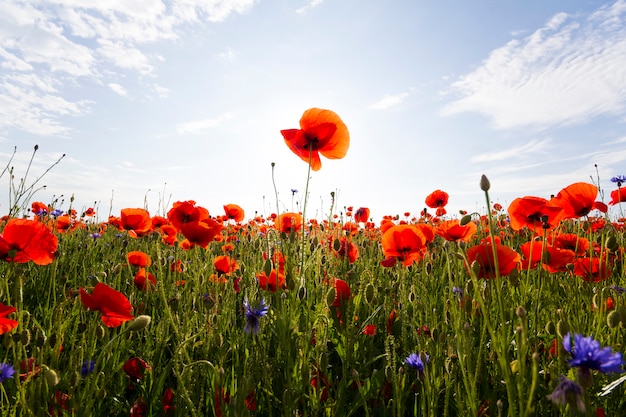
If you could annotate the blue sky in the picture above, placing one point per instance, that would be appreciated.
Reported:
(154, 102)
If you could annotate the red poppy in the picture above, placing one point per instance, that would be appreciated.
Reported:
(452, 230)
(138, 258)
(113, 305)
(39, 208)
(6, 325)
(536, 213)
(578, 200)
(579, 245)
(406, 243)
(273, 282)
(234, 212)
(617, 196)
(321, 131)
(144, 279)
(362, 215)
(136, 220)
(26, 240)
(185, 212)
(90, 212)
(482, 255)
(342, 292)
(370, 330)
(224, 265)
(201, 233)
(592, 269)
(289, 222)
(167, 400)
(136, 368)
(62, 223)
(438, 200)
(347, 249)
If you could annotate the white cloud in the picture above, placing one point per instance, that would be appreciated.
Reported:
(54, 43)
(311, 4)
(389, 101)
(196, 127)
(118, 89)
(515, 152)
(567, 72)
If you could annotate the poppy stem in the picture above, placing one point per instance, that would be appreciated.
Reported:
(306, 199)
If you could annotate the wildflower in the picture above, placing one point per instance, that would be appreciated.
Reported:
(6, 372)
(362, 215)
(272, 282)
(144, 280)
(39, 209)
(617, 196)
(620, 179)
(201, 233)
(185, 212)
(253, 316)
(24, 240)
(87, 367)
(415, 361)
(437, 200)
(289, 222)
(225, 265)
(370, 330)
(452, 230)
(6, 325)
(293, 191)
(234, 212)
(536, 213)
(568, 392)
(136, 221)
(586, 353)
(167, 400)
(407, 243)
(138, 258)
(321, 131)
(136, 368)
(113, 305)
(578, 200)
(482, 256)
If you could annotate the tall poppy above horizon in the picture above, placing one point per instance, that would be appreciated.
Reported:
(321, 131)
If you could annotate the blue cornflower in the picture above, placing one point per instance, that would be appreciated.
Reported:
(415, 361)
(586, 353)
(617, 289)
(95, 235)
(457, 291)
(56, 213)
(620, 179)
(253, 315)
(568, 392)
(87, 367)
(6, 372)
(293, 191)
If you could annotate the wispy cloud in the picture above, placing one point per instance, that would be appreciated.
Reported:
(197, 127)
(568, 71)
(46, 46)
(389, 100)
(515, 152)
(311, 4)
(118, 89)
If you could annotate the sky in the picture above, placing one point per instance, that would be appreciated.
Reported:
(153, 102)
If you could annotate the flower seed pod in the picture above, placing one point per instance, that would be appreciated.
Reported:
(613, 319)
(25, 337)
(369, 293)
(139, 323)
(52, 378)
(562, 328)
(550, 328)
(100, 332)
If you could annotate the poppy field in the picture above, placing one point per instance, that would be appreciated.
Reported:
(517, 311)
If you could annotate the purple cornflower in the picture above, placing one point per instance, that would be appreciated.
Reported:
(87, 368)
(586, 353)
(568, 392)
(253, 315)
(6, 372)
(620, 179)
(415, 361)
(619, 290)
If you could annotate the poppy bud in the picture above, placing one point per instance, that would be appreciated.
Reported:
(100, 332)
(611, 243)
(52, 378)
(465, 219)
(331, 295)
(139, 323)
(7, 340)
(520, 312)
(562, 328)
(369, 293)
(484, 183)
(550, 328)
(613, 319)
(25, 337)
